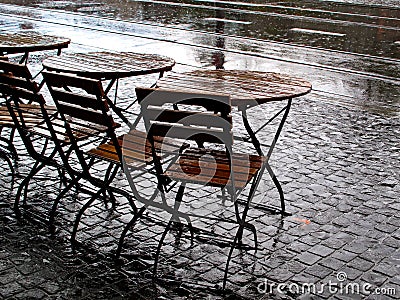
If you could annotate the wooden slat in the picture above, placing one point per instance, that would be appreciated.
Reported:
(83, 114)
(131, 160)
(215, 171)
(8, 79)
(31, 114)
(207, 178)
(241, 162)
(136, 149)
(203, 135)
(190, 166)
(21, 94)
(16, 69)
(240, 159)
(188, 118)
(79, 132)
(87, 101)
(158, 97)
(130, 153)
(138, 140)
(59, 80)
(134, 157)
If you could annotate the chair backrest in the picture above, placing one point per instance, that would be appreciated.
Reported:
(16, 75)
(78, 97)
(82, 106)
(212, 124)
(199, 117)
(27, 117)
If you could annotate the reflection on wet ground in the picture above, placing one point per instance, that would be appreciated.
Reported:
(352, 27)
(290, 37)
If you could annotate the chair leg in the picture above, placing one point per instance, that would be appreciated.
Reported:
(223, 195)
(237, 240)
(63, 179)
(109, 177)
(126, 229)
(24, 186)
(253, 229)
(56, 202)
(177, 204)
(80, 214)
(4, 156)
(174, 218)
(112, 199)
(238, 234)
(160, 243)
(9, 142)
(278, 186)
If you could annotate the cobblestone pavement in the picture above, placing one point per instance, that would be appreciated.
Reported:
(339, 166)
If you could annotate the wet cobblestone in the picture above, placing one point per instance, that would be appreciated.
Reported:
(349, 234)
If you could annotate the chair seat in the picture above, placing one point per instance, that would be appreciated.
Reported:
(211, 167)
(34, 120)
(31, 113)
(136, 149)
(80, 131)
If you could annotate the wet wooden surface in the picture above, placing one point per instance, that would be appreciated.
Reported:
(30, 41)
(245, 87)
(109, 65)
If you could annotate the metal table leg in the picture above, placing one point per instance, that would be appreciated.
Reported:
(257, 145)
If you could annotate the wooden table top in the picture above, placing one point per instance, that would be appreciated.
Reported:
(29, 41)
(109, 65)
(246, 88)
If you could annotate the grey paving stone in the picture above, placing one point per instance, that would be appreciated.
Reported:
(10, 289)
(8, 276)
(34, 293)
(374, 278)
(387, 269)
(309, 240)
(298, 247)
(344, 255)
(332, 263)
(377, 253)
(319, 271)
(387, 228)
(321, 250)
(361, 264)
(303, 278)
(50, 287)
(308, 258)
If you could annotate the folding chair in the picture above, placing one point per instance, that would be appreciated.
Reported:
(33, 121)
(209, 162)
(83, 107)
(45, 138)
(16, 75)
